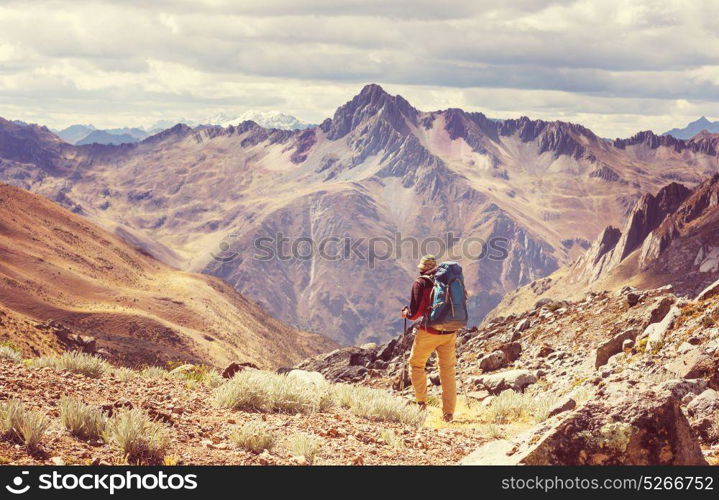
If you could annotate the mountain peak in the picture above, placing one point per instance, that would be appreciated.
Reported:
(371, 101)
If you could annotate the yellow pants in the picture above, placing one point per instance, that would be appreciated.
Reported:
(424, 344)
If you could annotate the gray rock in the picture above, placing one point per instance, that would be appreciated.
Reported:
(656, 332)
(496, 383)
(566, 404)
(612, 346)
(705, 404)
(709, 291)
(492, 361)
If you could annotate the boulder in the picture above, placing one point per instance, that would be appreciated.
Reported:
(522, 325)
(659, 309)
(633, 299)
(709, 291)
(655, 332)
(543, 302)
(641, 427)
(693, 364)
(235, 367)
(705, 403)
(492, 361)
(495, 383)
(612, 346)
(628, 345)
(565, 404)
(545, 350)
(312, 378)
(679, 388)
(511, 351)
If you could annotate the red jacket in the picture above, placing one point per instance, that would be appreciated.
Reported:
(421, 300)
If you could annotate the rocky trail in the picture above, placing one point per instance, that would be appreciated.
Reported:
(627, 377)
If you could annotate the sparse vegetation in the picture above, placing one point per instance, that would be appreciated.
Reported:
(83, 421)
(201, 374)
(390, 437)
(305, 445)
(253, 436)
(511, 406)
(11, 353)
(270, 392)
(140, 439)
(376, 404)
(78, 362)
(124, 374)
(27, 426)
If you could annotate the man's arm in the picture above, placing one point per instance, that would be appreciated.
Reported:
(418, 302)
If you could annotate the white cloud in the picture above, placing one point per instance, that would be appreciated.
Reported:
(615, 65)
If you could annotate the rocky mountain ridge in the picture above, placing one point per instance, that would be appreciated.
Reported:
(377, 169)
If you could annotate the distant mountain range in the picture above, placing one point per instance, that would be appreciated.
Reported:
(88, 134)
(694, 128)
(201, 197)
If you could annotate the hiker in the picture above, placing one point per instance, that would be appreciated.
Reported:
(439, 299)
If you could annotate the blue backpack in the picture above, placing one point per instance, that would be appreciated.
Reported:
(449, 298)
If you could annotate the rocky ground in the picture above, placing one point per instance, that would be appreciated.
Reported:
(617, 367)
(200, 430)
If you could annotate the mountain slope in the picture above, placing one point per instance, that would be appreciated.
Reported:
(60, 273)
(105, 137)
(669, 239)
(693, 128)
(378, 171)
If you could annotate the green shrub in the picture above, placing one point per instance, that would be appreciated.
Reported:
(305, 445)
(83, 421)
(140, 439)
(78, 362)
(253, 436)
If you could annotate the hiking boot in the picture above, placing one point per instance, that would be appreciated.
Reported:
(448, 417)
(422, 405)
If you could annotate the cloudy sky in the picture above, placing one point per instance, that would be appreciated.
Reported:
(615, 66)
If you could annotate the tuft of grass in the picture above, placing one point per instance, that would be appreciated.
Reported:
(27, 426)
(78, 362)
(201, 374)
(124, 374)
(11, 353)
(376, 404)
(140, 439)
(305, 445)
(393, 441)
(83, 421)
(270, 392)
(254, 437)
(510, 406)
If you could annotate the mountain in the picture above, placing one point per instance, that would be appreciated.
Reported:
(527, 196)
(74, 133)
(64, 281)
(693, 128)
(104, 137)
(671, 238)
(266, 119)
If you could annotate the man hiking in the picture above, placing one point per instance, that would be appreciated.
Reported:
(439, 299)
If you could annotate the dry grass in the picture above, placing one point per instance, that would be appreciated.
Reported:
(140, 439)
(17, 423)
(78, 362)
(83, 421)
(510, 406)
(376, 404)
(305, 445)
(393, 441)
(254, 436)
(11, 353)
(269, 392)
